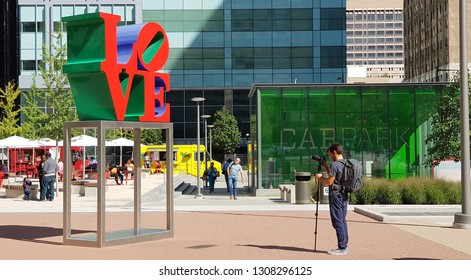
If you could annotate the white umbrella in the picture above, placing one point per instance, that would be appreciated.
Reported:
(48, 142)
(82, 141)
(18, 142)
(120, 142)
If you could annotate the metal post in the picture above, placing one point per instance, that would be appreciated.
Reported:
(198, 167)
(205, 117)
(463, 220)
(210, 126)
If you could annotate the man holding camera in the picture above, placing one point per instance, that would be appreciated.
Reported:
(338, 200)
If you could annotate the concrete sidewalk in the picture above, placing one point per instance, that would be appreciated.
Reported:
(216, 228)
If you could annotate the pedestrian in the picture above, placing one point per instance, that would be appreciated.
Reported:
(49, 170)
(338, 199)
(26, 188)
(146, 159)
(224, 172)
(40, 167)
(234, 170)
(212, 175)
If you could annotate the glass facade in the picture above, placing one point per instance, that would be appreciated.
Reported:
(383, 126)
(220, 48)
(39, 20)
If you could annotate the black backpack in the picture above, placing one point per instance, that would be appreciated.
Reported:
(352, 175)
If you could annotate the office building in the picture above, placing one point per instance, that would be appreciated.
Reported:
(375, 41)
(431, 39)
(218, 48)
(9, 43)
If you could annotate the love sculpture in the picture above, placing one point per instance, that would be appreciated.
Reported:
(112, 69)
(114, 76)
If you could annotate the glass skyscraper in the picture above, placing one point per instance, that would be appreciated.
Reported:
(220, 48)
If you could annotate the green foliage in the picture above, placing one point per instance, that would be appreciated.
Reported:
(148, 136)
(412, 191)
(445, 136)
(54, 94)
(408, 191)
(225, 133)
(151, 136)
(9, 118)
(367, 194)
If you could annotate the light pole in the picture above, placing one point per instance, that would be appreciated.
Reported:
(210, 142)
(198, 171)
(463, 219)
(205, 118)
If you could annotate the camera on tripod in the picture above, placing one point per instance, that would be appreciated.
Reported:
(320, 159)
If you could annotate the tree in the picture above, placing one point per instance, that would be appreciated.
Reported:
(225, 133)
(9, 118)
(148, 136)
(56, 96)
(445, 136)
(151, 136)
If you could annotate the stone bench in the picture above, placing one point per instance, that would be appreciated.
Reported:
(89, 189)
(14, 190)
(287, 193)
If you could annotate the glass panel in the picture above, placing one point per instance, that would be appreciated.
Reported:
(214, 97)
(270, 123)
(295, 147)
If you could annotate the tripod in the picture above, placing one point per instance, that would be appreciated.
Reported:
(317, 206)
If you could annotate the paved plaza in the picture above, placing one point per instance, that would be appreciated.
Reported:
(216, 228)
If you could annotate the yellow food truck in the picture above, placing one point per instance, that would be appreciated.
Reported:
(184, 159)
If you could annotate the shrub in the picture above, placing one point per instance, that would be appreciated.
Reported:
(408, 191)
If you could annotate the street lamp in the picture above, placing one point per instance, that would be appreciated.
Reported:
(198, 171)
(205, 118)
(210, 142)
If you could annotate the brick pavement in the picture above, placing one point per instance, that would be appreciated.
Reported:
(206, 235)
(216, 228)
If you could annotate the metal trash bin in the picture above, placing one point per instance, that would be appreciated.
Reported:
(302, 188)
(324, 191)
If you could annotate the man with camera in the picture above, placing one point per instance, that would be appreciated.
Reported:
(338, 200)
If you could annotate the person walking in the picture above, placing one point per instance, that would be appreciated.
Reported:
(224, 172)
(40, 167)
(234, 170)
(338, 199)
(50, 169)
(146, 159)
(212, 175)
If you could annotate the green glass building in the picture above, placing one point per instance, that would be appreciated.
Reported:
(382, 125)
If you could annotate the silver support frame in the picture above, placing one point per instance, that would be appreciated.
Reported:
(137, 234)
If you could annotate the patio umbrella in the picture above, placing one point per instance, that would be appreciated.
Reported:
(120, 142)
(82, 141)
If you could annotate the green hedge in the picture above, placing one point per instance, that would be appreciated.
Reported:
(406, 191)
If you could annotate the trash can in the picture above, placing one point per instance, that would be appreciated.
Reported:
(324, 194)
(302, 188)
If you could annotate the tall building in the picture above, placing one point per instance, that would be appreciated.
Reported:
(375, 41)
(220, 48)
(8, 43)
(38, 20)
(431, 39)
